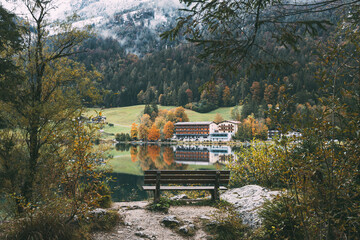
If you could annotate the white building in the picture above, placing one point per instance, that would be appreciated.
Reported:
(205, 131)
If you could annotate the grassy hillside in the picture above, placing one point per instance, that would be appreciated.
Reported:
(123, 117)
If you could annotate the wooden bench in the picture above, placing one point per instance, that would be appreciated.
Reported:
(210, 180)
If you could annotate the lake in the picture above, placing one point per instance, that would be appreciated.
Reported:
(130, 161)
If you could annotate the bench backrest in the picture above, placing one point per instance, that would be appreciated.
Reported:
(187, 177)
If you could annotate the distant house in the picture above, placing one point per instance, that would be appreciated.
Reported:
(99, 119)
(276, 134)
(205, 131)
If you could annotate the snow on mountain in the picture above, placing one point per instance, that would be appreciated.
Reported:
(110, 17)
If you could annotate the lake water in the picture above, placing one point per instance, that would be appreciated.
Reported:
(130, 161)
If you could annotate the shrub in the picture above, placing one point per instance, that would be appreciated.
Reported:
(278, 222)
(103, 220)
(162, 206)
(45, 226)
(227, 224)
(105, 199)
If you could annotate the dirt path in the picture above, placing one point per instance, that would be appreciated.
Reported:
(143, 224)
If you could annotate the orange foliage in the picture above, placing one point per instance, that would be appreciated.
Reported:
(133, 153)
(168, 130)
(154, 152)
(154, 133)
(134, 131)
(168, 156)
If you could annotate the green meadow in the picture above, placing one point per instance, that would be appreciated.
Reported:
(123, 117)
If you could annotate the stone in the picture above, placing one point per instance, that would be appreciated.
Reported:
(98, 212)
(179, 197)
(184, 229)
(139, 228)
(142, 234)
(248, 200)
(170, 221)
(204, 217)
(129, 224)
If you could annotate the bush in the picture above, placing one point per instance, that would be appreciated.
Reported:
(105, 199)
(227, 225)
(45, 226)
(202, 107)
(122, 137)
(278, 222)
(162, 206)
(103, 220)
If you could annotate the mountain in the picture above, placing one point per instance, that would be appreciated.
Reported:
(135, 24)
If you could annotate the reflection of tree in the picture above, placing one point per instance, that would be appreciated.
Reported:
(168, 155)
(150, 158)
(153, 152)
(145, 161)
(133, 153)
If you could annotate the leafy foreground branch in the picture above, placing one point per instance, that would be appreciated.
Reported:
(50, 175)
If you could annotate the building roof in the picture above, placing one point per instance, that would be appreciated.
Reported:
(230, 121)
(193, 123)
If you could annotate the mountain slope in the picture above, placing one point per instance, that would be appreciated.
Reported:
(136, 24)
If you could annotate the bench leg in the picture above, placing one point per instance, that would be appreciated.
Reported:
(212, 195)
(156, 196)
(215, 195)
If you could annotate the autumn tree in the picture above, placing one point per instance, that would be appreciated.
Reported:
(51, 149)
(251, 128)
(134, 131)
(270, 94)
(154, 133)
(169, 130)
(143, 132)
(226, 96)
(146, 120)
(256, 91)
(50, 93)
(218, 118)
(180, 115)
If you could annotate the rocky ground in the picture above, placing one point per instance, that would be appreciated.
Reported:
(143, 224)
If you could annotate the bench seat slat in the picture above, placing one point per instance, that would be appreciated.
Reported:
(153, 172)
(163, 176)
(186, 181)
(183, 188)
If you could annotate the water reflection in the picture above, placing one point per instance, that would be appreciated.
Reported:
(203, 155)
(127, 187)
(154, 157)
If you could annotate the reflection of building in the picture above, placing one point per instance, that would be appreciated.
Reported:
(205, 131)
(203, 155)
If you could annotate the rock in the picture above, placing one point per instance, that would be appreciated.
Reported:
(184, 229)
(129, 224)
(142, 234)
(204, 217)
(139, 228)
(212, 223)
(98, 212)
(248, 200)
(170, 221)
(179, 197)
(135, 207)
(188, 229)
